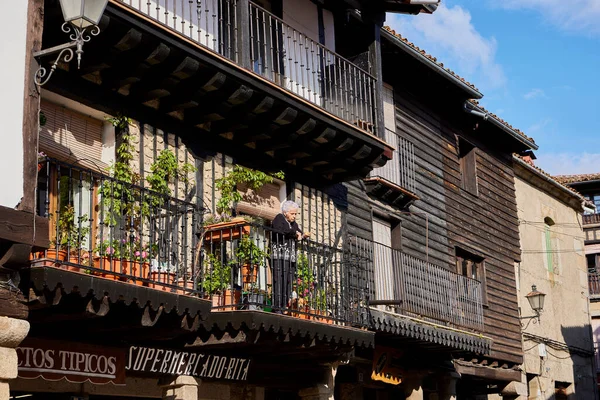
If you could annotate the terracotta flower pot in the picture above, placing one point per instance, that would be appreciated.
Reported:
(184, 284)
(158, 280)
(230, 298)
(225, 231)
(50, 258)
(249, 274)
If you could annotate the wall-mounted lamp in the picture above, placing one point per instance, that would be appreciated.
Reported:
(536, 301)
(81, 21)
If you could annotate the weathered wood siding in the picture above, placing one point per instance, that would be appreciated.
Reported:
(485, 224)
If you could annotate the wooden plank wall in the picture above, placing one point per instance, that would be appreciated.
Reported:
(486, 224)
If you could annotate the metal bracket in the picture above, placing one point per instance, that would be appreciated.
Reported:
(65, 51)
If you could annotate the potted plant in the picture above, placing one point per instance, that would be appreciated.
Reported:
(76, 232)
(217, 284)
(250, 257)
(303, 286)
(221, 226)
(108, 258)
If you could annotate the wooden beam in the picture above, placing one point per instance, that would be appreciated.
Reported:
(31, 94)
(24, 227)
(489, 373)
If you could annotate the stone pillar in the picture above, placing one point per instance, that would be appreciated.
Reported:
(182, 388)
(324, 391)
(413, 386)
(447, 385)
(12, 332)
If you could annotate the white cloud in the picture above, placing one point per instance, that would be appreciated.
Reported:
(580, 16)
(533, 93)
(450, 35)
(538, 126)
(568, 163)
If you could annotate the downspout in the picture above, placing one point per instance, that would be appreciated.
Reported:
(471, 111)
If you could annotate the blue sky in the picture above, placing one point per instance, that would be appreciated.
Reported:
(537, 62)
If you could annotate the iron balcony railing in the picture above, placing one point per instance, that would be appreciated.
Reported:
(276, 51)
(247, 266)
(594, 283)
(126, 232)
(401, 170)
(418, 288)
(589, 219)
(117, 230)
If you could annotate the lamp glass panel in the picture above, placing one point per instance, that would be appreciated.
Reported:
(72, 9)
(93, 10)
(541, 301)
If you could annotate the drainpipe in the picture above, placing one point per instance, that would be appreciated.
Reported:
(475, 112)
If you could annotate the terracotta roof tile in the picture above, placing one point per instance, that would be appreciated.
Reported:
(503, 122)
(434, 59)
(566, 179)
(554, 179)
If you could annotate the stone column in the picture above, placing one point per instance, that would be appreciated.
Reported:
(324, 391)
(182, 388)
(12, 332)
(447, 385)
(412, 386)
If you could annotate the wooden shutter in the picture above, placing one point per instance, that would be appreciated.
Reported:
(264, 204)
(71, 137)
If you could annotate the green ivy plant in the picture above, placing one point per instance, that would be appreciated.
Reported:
(70, 234)
(117, 194)
(227, 185)
(164, 171)
(248, 252)
(218, 274)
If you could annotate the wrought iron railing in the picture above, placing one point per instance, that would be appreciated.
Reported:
(594, 283)
(126, 232)
(283, 55)
(247, 266)
(589, 219)
(117, 230)
(416, 287)
(401, 170)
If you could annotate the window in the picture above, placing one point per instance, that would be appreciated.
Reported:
(472, 266)
(592, 263)
(467, 155)
(550, 246)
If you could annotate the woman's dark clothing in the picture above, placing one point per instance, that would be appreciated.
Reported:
(284, 260)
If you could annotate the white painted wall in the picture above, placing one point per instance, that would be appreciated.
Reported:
(13, 33)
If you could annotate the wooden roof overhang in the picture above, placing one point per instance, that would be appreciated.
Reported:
(436, 338)
(280, 346)
(140, 68)
(389, 192)
(76, 306)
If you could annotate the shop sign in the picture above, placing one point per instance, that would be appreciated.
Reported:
(174, 362)
(74, 362)
(386, 365)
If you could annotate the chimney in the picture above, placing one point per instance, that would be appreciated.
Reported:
(528, 157)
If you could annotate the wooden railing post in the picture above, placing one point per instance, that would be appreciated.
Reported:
(243, 33)
(376, 18)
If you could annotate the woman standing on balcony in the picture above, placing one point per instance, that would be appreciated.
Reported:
(287, 233)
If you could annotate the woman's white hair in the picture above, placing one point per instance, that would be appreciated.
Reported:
(289, 205)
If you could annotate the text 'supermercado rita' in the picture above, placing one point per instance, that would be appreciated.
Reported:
(237, 199)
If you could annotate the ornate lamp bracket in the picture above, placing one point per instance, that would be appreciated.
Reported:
(65, 51)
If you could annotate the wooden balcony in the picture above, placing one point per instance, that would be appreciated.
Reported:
(226, 75)
(590, 219)
(414, 287)
(395, 182)
(594, 284)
